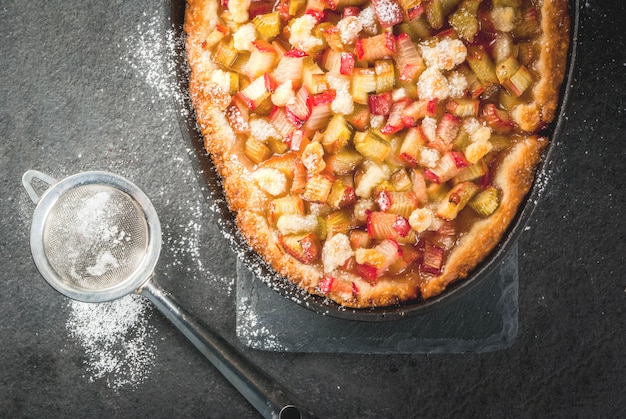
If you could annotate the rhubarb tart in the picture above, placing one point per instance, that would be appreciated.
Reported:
(375, 151)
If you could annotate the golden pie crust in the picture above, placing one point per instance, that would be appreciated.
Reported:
(513, 178)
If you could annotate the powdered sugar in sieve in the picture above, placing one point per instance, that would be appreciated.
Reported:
(94, 236)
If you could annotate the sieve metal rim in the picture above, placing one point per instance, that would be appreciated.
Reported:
(44, 206)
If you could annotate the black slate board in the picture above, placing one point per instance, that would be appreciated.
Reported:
(483, 319)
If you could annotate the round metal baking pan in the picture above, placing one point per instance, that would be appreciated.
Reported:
(215, 198)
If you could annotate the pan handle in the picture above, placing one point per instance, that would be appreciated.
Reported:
(266, 395)
(27, 181)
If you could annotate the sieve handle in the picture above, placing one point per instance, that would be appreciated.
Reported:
(269, 398)
(27, 181)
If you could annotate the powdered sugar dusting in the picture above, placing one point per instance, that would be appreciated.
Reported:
(117, 339)
(151, 56)
(252, 332)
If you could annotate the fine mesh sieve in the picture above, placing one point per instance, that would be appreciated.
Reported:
(95, 237)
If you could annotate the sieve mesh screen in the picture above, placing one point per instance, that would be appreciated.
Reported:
(95, 237)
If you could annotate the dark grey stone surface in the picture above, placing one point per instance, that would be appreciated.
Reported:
(79, 90)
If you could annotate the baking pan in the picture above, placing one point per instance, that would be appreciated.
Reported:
(208, 176)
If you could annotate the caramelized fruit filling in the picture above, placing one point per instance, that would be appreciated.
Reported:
(375, 126)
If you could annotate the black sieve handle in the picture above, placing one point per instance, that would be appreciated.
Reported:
(266, 395)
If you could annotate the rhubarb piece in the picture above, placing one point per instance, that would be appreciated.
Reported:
(290, 67)
(237, 116)
(338, 222)
(256, 151)
(336, 135)
(267, 25)
(419, 186)
(508, 101)
(472, 172)
(380, 258)
(240, 62)
(505, 69)
(332, 61)
(412, 9)
(516, 4)
(447, 131)
(318, 188)
(295, 6)
(366, 271)
(325, 285)
(385, 75)
(331, 35)
(360, 117)
(313, 78)
(320, 111)
(401, 181)
(498, 120)
(283, 163)
(371, 146)
(408, 59)
(262, 59)
(464, 19)
(344, 161)
(435, 191)
(481, 64)
(287, 205)
(456, 199)
(225, 54)
(519, 82)
(363, 83)
(446, 168)
(485, 202)
(463, 107)
(299, 182)
(380, 104)
(304, 247)
(341, 194)
(255, 93)
(437, 10)
(415, 111)
(395, 120)
(382, 225)
(529, 25)
(432, 261)
(410, 255)
(376, 47)
(347, 63)
(400, 203)
(258, 8)
(215, 36)
(299, 111)
(412, 146)
(418, 27)
(359, 239)
(280, 121)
